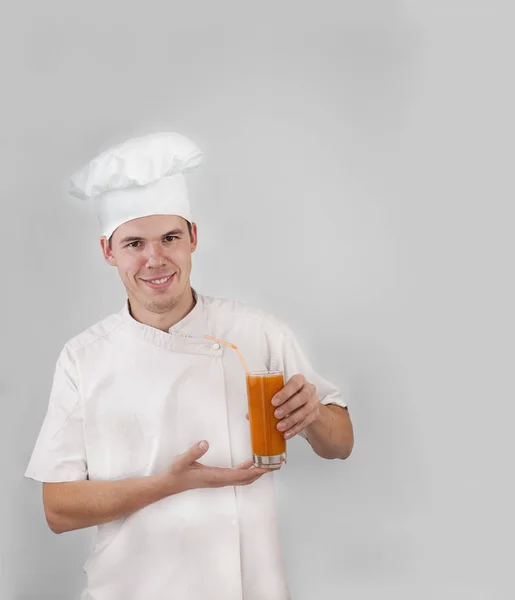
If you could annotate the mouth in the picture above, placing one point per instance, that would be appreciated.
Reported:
(159, 283)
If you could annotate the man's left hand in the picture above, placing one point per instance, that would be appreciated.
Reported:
(297, 406)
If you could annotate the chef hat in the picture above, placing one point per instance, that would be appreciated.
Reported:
(140, 177)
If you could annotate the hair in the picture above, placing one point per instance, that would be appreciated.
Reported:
(110, 241)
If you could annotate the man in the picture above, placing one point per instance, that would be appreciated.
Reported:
(146, 433)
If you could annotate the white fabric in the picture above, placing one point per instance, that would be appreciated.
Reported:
(165, 196)
(126, 399)
(140, 177)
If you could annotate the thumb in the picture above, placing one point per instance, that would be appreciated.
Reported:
(193, 454)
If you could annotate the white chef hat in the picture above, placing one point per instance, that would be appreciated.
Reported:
(140, 177)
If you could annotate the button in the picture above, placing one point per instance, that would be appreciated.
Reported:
(215, 346)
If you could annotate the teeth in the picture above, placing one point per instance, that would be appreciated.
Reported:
(158, 281)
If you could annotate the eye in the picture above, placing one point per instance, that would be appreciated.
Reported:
(170, 238)
(133, 245)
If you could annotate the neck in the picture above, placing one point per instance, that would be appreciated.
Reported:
(167, 319)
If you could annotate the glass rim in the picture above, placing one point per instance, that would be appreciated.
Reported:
(264, 373)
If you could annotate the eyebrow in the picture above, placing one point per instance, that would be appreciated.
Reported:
(129, 239)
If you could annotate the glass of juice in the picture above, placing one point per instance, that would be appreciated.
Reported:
(268, 443)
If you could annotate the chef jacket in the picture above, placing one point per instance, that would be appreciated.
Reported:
(126, 399)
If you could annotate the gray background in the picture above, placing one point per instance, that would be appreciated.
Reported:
(357, 184)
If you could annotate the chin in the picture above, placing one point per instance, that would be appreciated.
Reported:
(162, 306)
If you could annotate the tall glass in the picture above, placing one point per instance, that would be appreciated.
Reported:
(268, 443)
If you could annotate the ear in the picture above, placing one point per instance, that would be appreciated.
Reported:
(107, 251)
(194, 237)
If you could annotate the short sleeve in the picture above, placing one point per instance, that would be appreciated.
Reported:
(59, 454)
(291, 359)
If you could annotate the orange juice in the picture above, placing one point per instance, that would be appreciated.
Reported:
(268, 443)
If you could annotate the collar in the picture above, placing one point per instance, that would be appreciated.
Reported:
(186, 336)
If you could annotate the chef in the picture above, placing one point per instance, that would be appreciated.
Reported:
(146, 435)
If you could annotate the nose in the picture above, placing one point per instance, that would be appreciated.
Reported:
(155, 257)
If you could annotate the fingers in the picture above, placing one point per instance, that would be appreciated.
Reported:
(299, 419)
(248, 476)
(188, 473)
(298, 411)
(293, 431)
(191, 455)
(245, 465)
(293, 386)
(294, 418)
(219, 477)
(292, 404)
(304, 395)
(255, 478)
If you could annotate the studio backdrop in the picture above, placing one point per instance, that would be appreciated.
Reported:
(357, 184)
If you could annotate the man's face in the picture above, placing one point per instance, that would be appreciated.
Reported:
(153, 257)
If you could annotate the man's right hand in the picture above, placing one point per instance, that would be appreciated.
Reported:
(186, 473)
(73, 505)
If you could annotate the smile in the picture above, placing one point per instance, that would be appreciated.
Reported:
(159, 283)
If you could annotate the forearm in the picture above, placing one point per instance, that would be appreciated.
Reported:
(78, 504)
(331, 435)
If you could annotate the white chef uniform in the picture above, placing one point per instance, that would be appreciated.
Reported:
(126, 399)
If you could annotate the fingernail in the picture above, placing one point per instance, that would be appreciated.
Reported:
(202, 445)
(278, 413)
(275, 401)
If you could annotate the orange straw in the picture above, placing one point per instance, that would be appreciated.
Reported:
(231, 346)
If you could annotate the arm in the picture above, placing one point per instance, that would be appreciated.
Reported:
(72, 501)
(77, 504)
(327, 428)
(331, 434)
(310, 405)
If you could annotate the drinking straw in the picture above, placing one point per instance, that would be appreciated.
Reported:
(247, 370)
